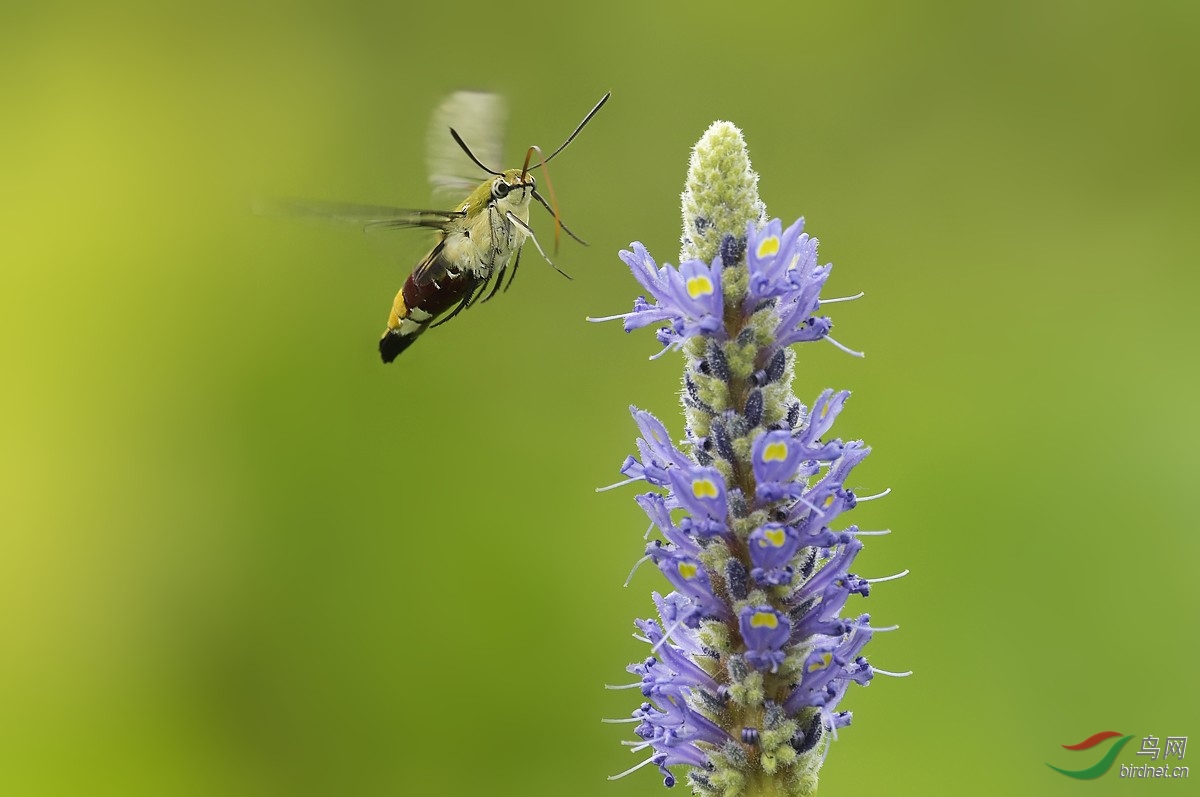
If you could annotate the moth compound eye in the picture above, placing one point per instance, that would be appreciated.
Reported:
(500, 189)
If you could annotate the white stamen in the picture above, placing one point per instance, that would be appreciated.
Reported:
(649, 760)
(665, 349)
(858, 295)
(621, 721)
(622, 686)
(828, 715)
(879, 533)
(887, 578)
(622, 484)
(665, 637)
(893, 674)
(884, 629)
(873, 497)
(810, 506)
(833, 731)
(607, 317)
(650, 530)
(845, 348)
(636, 565)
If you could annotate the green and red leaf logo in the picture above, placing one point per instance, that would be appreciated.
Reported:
(1101, 766)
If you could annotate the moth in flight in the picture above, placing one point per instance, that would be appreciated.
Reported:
(478, 242)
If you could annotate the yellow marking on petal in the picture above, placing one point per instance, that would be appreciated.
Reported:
(688, 570)
(699, 286)
(776, 537)
(768, 246)
(821, 663)
(775, 452)
(704, 488)
(828, 502)
(764, 620)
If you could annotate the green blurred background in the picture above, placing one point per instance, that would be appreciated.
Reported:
(239, 556)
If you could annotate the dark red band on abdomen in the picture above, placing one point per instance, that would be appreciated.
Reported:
(437, 297)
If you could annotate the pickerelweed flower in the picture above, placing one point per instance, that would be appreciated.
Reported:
(750, 653)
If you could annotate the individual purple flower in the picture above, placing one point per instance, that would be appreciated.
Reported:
(807, 279)
(645, 270)
(830, 578)
(695, 289)
(834, 660)
(824, 412)
(689, 297)
(821, 504)
(673, 730)
(655, 507)
(657, 453)
(678, 610)
(673, 672)
(765, 632)
(657, 438)
(676, 724)
(776, 457)
(773, 546)
(803, 328)
(688, 576)
(701, 491)
(771, 256)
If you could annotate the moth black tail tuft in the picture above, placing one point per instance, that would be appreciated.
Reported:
(392, 344)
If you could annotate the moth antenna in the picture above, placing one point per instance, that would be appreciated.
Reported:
(586, 119)
(458, 140)
(550, 185)
(550, 210)
(525, 165)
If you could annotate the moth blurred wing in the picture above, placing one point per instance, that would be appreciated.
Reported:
(479, 117)
(368, 217)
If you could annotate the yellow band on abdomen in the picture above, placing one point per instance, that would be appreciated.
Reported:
(399, 311)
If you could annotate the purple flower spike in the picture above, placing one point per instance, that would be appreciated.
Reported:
(755, 648)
